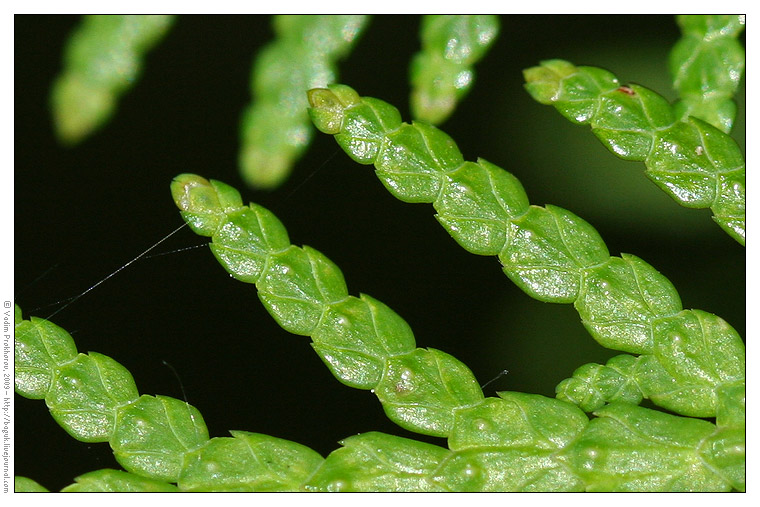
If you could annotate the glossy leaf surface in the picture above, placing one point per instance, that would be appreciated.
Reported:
(39, 346)
(620, 298)
(86, 394)
(519, 420)
(513, 470)
(248, 462)
(379, 462)
(629, 448)
(153, 435)
(421, 390)
(695, 354)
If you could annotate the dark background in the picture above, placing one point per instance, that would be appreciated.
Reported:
(81, 213)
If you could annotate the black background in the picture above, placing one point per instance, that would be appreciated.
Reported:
(82, 212)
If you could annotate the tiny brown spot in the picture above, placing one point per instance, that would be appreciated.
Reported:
(627, 90)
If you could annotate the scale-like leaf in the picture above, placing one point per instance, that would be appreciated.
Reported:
(379, 462)
(248, 462)
(86, 394)
(629, 448)
(153, 435)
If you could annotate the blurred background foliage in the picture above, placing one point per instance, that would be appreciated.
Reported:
(81, 213)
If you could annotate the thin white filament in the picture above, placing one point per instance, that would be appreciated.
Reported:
(76, 298)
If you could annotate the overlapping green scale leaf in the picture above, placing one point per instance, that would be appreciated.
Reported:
(363, 128)
(630, 448)
(244, 240)
(519, 420)
(204, 205)
(707, 64)
(619, 299)
(379, 462)
(511, 443)
(275, 129)
(593, 385)
(248, 462)
(547, 251)
(627, 119)
(695, 353)
(355, 337)
(577, 96)
(297, 287)
(103, 59)
(685, 157)
(86, 394)
(505, 469)
(153, 434)
(40, 346)
(476, 204)
(421, 390)
(442, 72)
(413, 159)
